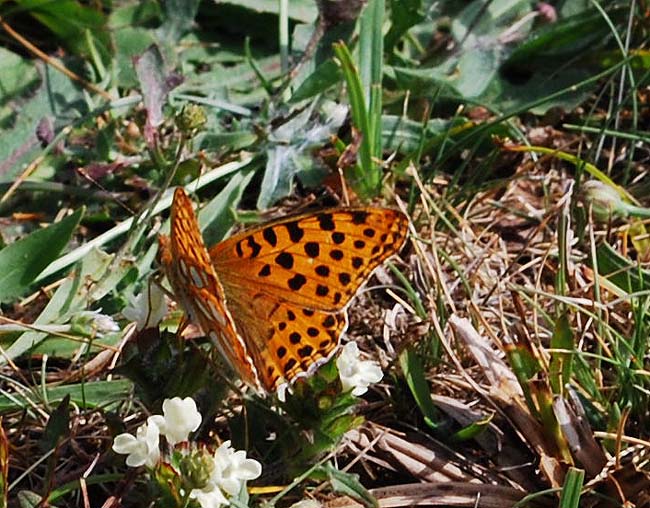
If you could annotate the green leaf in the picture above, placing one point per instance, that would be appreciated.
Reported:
(71, 22)
(72, 295)
(16, 74)
(403, 135)
(620, 271)
(29, 499)
(24, 259)
(472, 430)
(559, 41)
(403, 14)
(413, 371)
(129, 43)
(57, 98)
(560, 367)
(226, 141)
(178, 18)
(216, 218)
(58, 426)
(4, 467)
(572, 488)
(349, 485)
(290, 154)
(324, 76)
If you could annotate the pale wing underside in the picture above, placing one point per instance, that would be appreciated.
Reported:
(196, 286)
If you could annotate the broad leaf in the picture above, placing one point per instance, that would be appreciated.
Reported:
(24, 259)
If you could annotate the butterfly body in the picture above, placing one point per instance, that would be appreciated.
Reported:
(273, 298)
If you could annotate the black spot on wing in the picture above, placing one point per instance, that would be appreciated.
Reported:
(285, 260)
(265, 271)
(336, 254)
(295, 338)
(269, 235)
(359, 217)
(254, 246)
(312, 249)
(322, 270)
(296, 282)
(338, 237)
(303, 352)
(295, 231)
(325, 221)
(291, 363)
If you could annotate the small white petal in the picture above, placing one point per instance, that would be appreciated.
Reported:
(282, 391)
(124, 444)
(147, 309)
(101, 323)
(180, 418)
(231, 486)
(142, 449)
(209, 497)
(105, 323)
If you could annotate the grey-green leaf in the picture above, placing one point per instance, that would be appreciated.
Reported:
(24, 259)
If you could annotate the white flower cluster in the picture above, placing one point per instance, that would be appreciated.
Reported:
(228, 469)
(231, 469)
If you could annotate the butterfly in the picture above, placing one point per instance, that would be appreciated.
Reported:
(273, 299)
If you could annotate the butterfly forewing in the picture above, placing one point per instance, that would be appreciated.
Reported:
(195, 284)
(315, 260)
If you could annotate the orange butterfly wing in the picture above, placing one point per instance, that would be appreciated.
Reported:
(273, 299)
(289, 282)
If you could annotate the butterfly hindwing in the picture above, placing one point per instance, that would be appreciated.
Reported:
(289, 341)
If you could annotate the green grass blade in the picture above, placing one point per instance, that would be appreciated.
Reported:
(571, 491)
